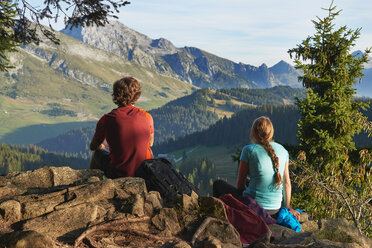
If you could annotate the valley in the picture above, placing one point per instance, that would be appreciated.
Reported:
(185, 115)
(202, 104)
(68, 86)
(75, 77)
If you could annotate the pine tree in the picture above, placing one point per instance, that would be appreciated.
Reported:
(8, 41)
(329, 116)
(333, 184)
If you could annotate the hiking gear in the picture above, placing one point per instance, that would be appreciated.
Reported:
(221, 188)
(287, 219)
(161, 176)
(249, 225)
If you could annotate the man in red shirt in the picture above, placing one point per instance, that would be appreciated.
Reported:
(128, 130)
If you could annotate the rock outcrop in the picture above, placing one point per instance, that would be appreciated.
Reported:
(62, 207)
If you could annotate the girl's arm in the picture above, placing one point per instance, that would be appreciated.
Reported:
(288, 192)
(242, 175)
(287, 187)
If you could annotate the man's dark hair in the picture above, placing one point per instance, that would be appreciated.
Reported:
(126, 91)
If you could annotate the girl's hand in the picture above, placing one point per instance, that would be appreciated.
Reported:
(295, 213)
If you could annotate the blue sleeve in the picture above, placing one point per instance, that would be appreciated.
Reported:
(244, 156)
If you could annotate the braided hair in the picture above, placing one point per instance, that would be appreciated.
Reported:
(262, 133)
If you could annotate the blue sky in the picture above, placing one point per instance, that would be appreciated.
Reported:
(252, 32)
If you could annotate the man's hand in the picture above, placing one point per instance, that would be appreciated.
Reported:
(101, 147)
(97, 145)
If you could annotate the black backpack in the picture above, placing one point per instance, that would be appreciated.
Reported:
(160, 175)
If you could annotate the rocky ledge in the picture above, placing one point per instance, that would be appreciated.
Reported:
(62, 207)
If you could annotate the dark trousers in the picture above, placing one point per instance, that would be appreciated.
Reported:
(220, 187)
(101, 161)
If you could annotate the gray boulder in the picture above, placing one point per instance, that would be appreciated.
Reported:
(167, 221)
(342, 228)
(63, 221)
(26, 239)
(214, 233)
(11, 211)
(48, 177)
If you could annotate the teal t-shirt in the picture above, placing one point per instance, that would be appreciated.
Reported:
(262, 186)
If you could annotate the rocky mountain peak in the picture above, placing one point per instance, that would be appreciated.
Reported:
(282, 67)
(116, 36)
(163, 44)
(263, 66)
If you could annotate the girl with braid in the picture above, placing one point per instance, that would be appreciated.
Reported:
(266, 164)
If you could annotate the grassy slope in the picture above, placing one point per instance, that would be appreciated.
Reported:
(221, 108)
(83, 88)
(226, 103)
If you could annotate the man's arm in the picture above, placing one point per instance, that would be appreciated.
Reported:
(98, 140)
(151, 142)
(96, 144)
(151, 122)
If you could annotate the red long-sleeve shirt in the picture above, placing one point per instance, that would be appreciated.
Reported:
(127, 131)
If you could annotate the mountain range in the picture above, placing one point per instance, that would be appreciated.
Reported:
(55, 88)
(189, 64)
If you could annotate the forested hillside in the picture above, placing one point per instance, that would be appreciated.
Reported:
(236, 130)
(277, 95)
(184, 115)
(20, 158)
(200, 172)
